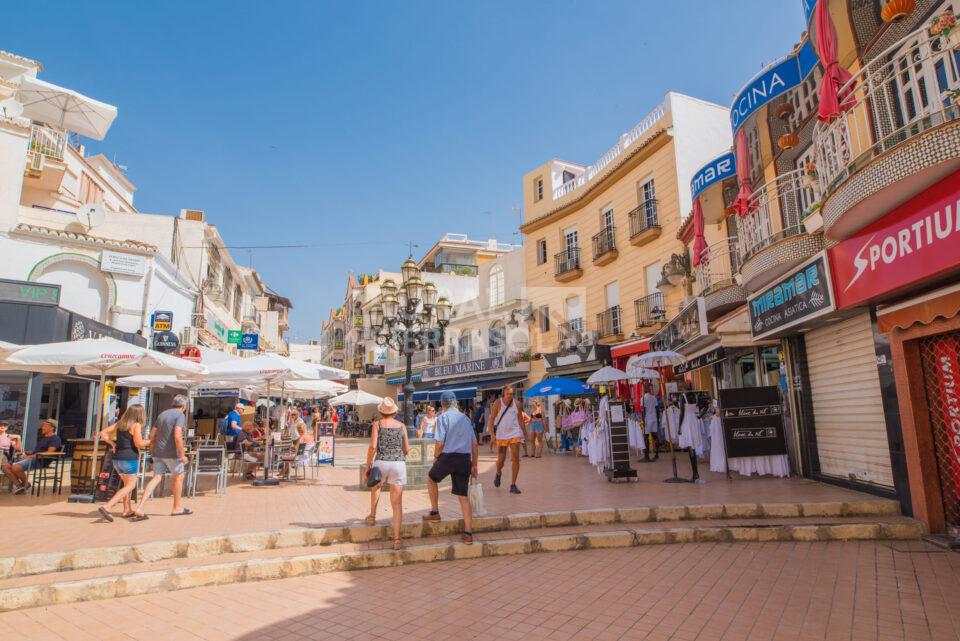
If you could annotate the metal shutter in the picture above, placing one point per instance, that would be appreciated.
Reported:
(847, 406)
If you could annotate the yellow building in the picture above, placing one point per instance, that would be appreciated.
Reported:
(598, 236)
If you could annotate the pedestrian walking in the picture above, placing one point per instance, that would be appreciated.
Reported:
(507, 426)
(428, 423)
(455, 455)
(125, 438)
(536, 429)
(388, 448)
(479, 420)
(169, 455)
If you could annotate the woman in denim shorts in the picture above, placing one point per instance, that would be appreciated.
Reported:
(125, 438)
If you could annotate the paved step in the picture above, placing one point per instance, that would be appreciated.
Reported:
(213, 546)
(184, 573)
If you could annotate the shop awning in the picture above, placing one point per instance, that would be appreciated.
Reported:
(464, 390)
(400, 380)
(631, 347)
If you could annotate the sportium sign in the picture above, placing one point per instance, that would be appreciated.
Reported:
(918, 240)
(800, 296)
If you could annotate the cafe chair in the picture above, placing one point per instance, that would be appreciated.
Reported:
(210, 460)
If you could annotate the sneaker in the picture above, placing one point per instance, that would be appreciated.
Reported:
(496, 480)
(467, 538)
(20, 489)
(514, 489)
(433, 516)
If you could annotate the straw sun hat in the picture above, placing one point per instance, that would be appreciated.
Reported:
(387, 407)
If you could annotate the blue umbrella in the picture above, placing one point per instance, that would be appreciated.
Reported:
(559, 385)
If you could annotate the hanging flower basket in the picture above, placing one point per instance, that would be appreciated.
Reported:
(944, 27)
(788, 141)
(897, 9)
(809, 177)
(784, 110)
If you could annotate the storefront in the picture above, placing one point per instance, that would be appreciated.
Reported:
(906, 265)
(29, 314)
(621, 355)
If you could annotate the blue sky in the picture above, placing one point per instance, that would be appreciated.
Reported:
(356, 127)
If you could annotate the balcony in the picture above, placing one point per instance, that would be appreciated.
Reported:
(649, 310)
(773, 237)
(567, 265)
(461, 269)
(644, 224)
(570, 333)
(716, 278)
(899, 135)
(609, 325)
(45, 165)
(605, 246)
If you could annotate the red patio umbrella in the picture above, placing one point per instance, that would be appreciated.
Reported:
(699, 240)
(832, 101)
(742, 203)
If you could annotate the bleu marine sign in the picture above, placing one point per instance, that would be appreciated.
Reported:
(714, 171)
(459, 369)
(802, 295)
(774, 81)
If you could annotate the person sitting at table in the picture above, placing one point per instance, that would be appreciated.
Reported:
(246, 443)
(9, 443)
(49, 442)
(305, 438)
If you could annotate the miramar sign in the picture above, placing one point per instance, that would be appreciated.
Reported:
(774, 81)
(801, 296)
(714, 171)
(458, 369)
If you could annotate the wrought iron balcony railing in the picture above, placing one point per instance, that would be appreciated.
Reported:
(650, 310)
(609, 322)
(567, 261)
(644, 217)
(605, 242)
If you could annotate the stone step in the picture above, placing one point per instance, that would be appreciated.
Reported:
(183, 573)
(212, 546)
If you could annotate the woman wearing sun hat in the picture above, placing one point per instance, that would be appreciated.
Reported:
(388, 448)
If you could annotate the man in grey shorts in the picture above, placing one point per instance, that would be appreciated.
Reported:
(169, 455)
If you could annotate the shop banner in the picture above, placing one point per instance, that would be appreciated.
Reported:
(774, 81)
(713, 172)
(708, 358)
(478, 366)
(802, 295)
(917, 241)
(24, 291)
(752, 421)
(947, 350)
(161, 321)
(166, 342)
(325, 449)
(234, 336)
(249, 341)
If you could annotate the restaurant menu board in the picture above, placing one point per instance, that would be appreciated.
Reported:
(752, 421)
(325, 449)
(619, 443)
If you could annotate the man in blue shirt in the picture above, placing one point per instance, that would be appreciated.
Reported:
(234, 424)
(455, 455)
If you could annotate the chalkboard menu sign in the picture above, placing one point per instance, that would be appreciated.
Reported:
(752, 421)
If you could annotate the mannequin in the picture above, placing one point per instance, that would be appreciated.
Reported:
(691, 434)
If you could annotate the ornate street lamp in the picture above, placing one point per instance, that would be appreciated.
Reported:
(409, 318)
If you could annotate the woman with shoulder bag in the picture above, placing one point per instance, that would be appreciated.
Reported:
(388, 448)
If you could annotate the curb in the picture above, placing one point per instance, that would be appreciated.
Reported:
(208, 546)
(280, 568)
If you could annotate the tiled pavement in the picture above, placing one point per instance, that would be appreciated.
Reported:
(708, 591)
(554, 482)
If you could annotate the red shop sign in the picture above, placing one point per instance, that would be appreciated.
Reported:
(917, 240)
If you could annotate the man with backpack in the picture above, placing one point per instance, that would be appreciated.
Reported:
(232, 423)
(507, 425)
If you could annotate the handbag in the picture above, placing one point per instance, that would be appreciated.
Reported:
(475, 496)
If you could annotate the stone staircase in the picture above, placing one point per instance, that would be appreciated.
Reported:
(100, 573)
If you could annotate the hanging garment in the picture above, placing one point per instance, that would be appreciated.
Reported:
(635, 436)
(691, 431)
(671, 423)
(651, 416)
(718, 449)
(597, 440)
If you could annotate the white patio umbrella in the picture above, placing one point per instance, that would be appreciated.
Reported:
(356, 397)
(661, 360)
(314, 389)
(606, 374)
(272, 369)
(96, 357)
(46, 102)
(642, 373)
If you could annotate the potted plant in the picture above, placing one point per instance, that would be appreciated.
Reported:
(944, 26)
(809, 177)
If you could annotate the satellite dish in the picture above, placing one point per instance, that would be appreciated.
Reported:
(10, 108)
(96, 215)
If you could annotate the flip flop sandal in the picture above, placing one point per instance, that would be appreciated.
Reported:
(106, 515)
(140, 517)
(184, 512)
(396, 544)
(370, 520)
(128, 515)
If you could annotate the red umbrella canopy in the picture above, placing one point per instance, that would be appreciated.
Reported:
(833, 99)
(699, 240)
(742, 203)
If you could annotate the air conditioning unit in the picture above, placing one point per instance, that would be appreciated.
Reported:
(190, 336)
(589, 338)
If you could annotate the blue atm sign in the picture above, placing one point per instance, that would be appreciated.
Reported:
(249, 341)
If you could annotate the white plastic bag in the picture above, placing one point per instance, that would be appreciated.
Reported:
(475, 496)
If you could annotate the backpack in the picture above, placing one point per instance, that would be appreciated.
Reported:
(225, 426)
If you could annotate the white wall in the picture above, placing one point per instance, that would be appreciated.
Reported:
(701, 132)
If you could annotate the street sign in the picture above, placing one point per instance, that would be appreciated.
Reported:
(233, 336)
(166, 342)
(161, 321)
(249, 341)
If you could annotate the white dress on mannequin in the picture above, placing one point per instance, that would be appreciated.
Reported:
(718, 449)
(671, 423)
(691, 430)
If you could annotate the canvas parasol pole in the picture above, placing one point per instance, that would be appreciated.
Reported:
(266, 480)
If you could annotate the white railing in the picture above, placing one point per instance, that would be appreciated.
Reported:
(625, 141)
(908, 89)
(47, 142)
(777, 210)
(718, 264)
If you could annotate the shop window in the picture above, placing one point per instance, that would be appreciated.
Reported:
(545, 318)
(745, 369)
(497, 338)
(495, 288)
(538, 189)
(770, 366)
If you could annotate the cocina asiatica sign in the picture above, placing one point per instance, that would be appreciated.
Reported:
(714, 171)
(772, 82)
